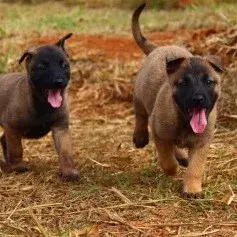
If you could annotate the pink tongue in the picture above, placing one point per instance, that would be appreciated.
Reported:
(198, 121)
(55, 98)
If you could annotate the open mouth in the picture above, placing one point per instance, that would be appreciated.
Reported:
(198, 120)
(54, 97)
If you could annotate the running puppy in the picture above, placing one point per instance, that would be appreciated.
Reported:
(35, 103)
(178, 92)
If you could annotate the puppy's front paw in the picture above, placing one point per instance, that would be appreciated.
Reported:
(18, 168)
(69, 175)
(140, 139)
(187, 195)
(192, 186)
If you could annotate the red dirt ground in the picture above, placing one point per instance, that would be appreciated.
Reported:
(124, 47)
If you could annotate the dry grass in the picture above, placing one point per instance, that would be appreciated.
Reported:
(122, 191)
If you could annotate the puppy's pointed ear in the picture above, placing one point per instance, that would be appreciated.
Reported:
(216, 63)
(61, 42)
(172, 64)
(27, 54)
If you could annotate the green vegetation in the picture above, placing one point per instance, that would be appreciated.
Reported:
(50, 17)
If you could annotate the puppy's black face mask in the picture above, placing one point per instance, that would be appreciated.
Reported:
(196, 90)
(49, 71)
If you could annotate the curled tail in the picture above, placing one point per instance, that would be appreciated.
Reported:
(146, 46)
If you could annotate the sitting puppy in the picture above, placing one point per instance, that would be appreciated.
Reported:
(178, 91)
(34, 104)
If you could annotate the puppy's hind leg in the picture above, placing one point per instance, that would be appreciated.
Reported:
(166, 155)
(13, 152)
(140, 135)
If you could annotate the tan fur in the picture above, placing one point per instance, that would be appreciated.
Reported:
(143, 43)
(63, 146)
(153, 98)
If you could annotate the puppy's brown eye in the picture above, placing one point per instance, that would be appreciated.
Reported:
(41, 66)
(65, 65)
(210, 82)
(182, 83)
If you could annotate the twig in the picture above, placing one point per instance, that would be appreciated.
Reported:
(32, 207)
(231, 116)
(122, 196)
(41, 228)
(232, 197)
(134, 204)
(100, 164)
(9, 217)
(231, 224)
(116, 217)
(197, 234)
(173, 224)
(192, 223)
(13, 227)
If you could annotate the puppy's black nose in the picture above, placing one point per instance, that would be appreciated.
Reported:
(198, 99)
(58, 82)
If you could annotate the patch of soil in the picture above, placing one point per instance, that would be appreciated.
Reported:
(124, 47)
